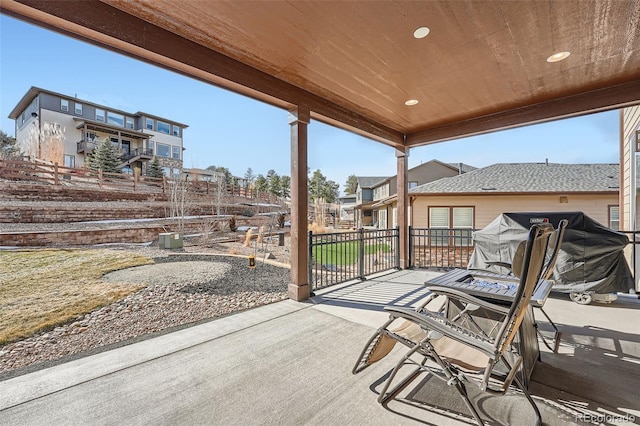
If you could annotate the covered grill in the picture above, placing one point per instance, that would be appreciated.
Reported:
(591, 258)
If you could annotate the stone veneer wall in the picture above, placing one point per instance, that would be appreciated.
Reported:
(45, 214)
(39, 192)
(84, 237)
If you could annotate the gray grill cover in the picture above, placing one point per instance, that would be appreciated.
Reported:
(591, 256)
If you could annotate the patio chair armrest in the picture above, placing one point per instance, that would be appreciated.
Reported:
(447, 328)
(459, 295)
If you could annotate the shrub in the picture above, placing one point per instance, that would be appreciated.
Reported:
(316, 228)
(232, 224)
(247, 238)
(260, 234)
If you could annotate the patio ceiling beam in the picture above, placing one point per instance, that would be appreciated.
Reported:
(608, 98)
(111, 28)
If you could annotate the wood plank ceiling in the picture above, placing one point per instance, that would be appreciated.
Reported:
(354, 63)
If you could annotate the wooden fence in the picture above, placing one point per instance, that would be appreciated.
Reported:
(54, 174)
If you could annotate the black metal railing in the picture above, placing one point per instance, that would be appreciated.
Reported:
(632, 260)
(136, 152)
(440, 248)
(343, 256)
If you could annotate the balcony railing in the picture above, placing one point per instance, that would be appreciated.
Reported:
(143, 153)
(86, 146)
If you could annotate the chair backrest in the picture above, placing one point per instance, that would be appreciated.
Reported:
(533, 263)
(557, 242)
(547, 272)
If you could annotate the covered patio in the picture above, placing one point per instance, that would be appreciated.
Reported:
(290, 363)
(404, 74)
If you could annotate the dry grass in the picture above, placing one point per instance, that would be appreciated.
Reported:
(40, 289)
(247, 238)
(316, 228)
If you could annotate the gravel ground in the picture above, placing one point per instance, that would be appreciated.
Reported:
(181, 290)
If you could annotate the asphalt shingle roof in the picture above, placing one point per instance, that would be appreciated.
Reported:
(465, 167)
(369, 181)
(529, 177)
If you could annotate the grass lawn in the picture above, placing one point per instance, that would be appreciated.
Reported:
(345, 253)
(40, 289)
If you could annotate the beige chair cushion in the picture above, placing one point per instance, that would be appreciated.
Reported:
(459, 354)
(451, 350)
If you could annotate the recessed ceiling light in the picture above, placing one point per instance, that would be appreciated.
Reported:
(421, 32)
(411, 102)
(557, 57)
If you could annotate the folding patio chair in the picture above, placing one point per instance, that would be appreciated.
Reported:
(451, 350)
(547, 273)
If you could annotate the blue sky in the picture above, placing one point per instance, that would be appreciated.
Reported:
(226, 129)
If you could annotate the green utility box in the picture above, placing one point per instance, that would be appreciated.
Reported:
(170, 240)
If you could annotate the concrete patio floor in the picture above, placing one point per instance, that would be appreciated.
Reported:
(290, 363)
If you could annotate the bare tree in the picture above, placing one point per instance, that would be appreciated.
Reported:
(45, 143)
(220, 190)
(179, 199)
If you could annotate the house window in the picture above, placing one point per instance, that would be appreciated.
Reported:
(614, 218)
(175, 152)
(78, 108)
(116, 119)
(149, 123)
(69, 160)
(115, 142)
(91, 137)
(166, 171)
(413, 184)
(164, 150)
(126, 147)
(151, 147)
(176, 130)
(163, 127)
(100, 115)
(64, 105)
(451, 225)
(128, 122)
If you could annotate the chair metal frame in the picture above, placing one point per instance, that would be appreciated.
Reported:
(546, 275)
(433, 326)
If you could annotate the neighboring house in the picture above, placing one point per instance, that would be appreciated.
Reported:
(474, 199)
(363, 213)
(347, 206)
(204, 175)
(630, 177)
(384, 202)
(81, 125)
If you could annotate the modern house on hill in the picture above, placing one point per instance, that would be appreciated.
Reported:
(380, 210)
(64, 129)
(474, 199)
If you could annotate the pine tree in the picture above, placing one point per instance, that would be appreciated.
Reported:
(105, 157)
(154, 169)
(352, 185)
(9, 148)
